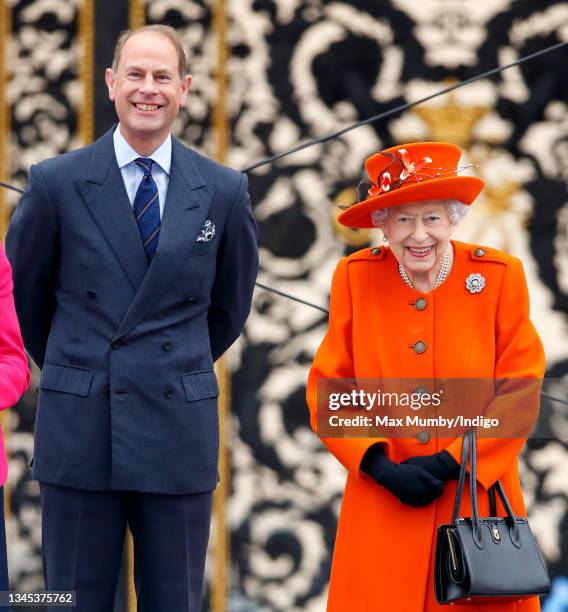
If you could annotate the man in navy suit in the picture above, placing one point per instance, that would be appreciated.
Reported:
(134, 262)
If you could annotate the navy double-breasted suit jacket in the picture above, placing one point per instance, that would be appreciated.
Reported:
(128, 394)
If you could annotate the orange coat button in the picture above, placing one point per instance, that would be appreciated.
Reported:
(419, 347)
(420, 304)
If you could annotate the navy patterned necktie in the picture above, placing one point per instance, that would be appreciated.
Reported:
(147, 208)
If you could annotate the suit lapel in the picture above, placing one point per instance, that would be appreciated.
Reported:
(105, 196)
(185, 209)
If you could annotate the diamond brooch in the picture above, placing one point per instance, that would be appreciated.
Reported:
(475, 283)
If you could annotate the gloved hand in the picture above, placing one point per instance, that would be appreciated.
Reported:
(440, 465)
(411, 484)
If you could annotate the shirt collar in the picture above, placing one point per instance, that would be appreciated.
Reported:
(125, 154)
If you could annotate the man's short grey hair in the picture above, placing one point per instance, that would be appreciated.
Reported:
(158, 28)
(456, 212)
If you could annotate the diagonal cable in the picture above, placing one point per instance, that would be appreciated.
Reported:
(12, 187)
(291, 297)
(554, 398)
(401, 107)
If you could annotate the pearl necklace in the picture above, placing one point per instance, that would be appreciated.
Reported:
(445, 267)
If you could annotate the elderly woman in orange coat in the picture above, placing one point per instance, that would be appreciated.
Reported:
(424, 307)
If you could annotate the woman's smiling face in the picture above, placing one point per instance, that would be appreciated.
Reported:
(418, 235)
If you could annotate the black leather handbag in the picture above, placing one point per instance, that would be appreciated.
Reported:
(489, 559)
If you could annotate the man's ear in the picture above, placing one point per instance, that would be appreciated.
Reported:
(110, 80)
(185, 85)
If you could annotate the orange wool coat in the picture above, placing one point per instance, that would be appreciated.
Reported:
(384, 550)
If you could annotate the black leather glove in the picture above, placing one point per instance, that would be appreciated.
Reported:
(411, 484)
(440, 465)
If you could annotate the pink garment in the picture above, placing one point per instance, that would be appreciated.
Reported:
(14, 371)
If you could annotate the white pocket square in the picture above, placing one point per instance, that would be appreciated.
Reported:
(207, 232)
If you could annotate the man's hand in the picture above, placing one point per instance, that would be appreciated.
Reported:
(440, 465)
(411, 484)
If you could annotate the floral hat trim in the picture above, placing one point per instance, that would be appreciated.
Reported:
(412, 171)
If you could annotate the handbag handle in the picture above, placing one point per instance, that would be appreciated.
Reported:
(461, 478)
(469, 450)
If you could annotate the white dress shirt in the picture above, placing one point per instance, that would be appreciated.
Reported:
(132, 173)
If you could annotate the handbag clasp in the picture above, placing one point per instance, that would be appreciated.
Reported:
(496, 534)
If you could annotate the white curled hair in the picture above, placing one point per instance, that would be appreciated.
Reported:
(456, 212)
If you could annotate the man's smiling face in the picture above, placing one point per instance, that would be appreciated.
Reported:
(147, 90)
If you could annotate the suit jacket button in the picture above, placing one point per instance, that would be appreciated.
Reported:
(107, 391)
(169, 393)
(91, 295)
(375, 251)
(423, 437)
(479, 252)
(115, 344)
(419, 347)
(420, 304)
(167, 346)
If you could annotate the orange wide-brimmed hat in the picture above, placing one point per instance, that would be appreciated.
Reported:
(413, 172)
